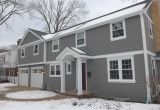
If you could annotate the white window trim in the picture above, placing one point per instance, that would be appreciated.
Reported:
(24, 69)
(120, 80)
(84, 39)
(24, 52)
(150, 27)
(53, 44)
(155, 66)
(68, 62)
(55, 64)
(34, 49)
(111, 31)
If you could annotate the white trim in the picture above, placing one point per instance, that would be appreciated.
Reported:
(22, 49)
(150, 29)
(154, 65)
(82, 45)
(62, 69)
(68, 63)
(31, 44)
(54, 64)
(31, 64)
(146, 14)
(25, 35)
(79, 74)
(56, 40)
(37, 67)
(44, 55)
(124, 30)
(151, 53)
(119, 59)
(34, 50)
(145, 58)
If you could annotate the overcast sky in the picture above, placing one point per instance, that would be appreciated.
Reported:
(18, 25)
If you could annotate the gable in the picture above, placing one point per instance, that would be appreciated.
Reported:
(29, 38)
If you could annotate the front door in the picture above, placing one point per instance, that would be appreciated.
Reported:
(84, 76)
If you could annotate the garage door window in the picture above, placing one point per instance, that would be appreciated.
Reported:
(37, 70)
(24, 71)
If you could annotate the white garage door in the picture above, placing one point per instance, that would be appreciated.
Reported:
(37, 77)
(23, 76)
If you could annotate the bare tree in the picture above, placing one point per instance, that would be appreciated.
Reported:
(9, 8)
(58, 14)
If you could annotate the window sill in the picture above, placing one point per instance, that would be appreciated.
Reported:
(55, 51)
(118, 38)
(121, 81)
(56, 76)
(78, 46)
(36, 54)
(22, 57)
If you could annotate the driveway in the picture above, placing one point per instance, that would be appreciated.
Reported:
(13, 92)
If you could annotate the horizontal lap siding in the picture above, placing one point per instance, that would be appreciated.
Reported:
(29, 57)
(30, 38)
(53, 83)
(99, 85)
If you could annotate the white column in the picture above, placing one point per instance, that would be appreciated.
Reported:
(79, 70)
(62, 77)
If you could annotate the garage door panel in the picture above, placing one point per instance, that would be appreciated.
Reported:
(23, 79)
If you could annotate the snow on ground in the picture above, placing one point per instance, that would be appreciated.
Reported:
(3, 86)
(76, 104)
(33, 94)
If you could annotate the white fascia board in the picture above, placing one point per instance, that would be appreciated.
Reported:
(31, 64)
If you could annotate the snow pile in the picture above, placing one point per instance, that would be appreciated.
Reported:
(34, 94)
(76, 104)
(3, 86)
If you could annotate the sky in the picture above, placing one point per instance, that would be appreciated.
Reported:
(18, 25)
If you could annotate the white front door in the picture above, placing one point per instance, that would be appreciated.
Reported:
(37, 77)
(23, 76)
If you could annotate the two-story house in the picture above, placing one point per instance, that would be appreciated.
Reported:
(111, 56)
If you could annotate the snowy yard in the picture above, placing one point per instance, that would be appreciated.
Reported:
(4, 86)
(65, 104)
(76, 104)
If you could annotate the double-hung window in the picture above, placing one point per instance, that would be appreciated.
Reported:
(22, 52)
(118, 30)
(55, 70)
(150, 29)
(80, 39)
(121, 69)
(55, 45)
(36, 49)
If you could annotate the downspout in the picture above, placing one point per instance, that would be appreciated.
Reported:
(145, 57)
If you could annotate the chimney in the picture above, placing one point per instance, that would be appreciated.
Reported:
(155, 14)
(18, 42)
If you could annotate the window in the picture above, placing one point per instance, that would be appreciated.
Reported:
(55, 70)
(150, 29)
(118, 30)
(24, 70)
(121, 69)
(36, 49)
(80, 39)
(68, 67)
(23, 53)
(55, 45)
(153, 67)
(37, 70)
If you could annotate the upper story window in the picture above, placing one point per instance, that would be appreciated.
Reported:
(55, 45)
(121, 70)
(150, 29)
(55, 70)
(36, 49)
(80, 39)
(118, 30)
(22, 52)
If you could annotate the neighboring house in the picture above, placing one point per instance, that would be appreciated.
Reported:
(8, 65)
(110, 56)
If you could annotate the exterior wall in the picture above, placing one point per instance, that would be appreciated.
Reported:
(149, 40)
(155, 10)
(98, 40)
(53, 83)
(30, 38)
(99, 85)
(29, 57)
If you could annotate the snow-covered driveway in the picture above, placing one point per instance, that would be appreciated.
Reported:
(76, 104)
(4, 86)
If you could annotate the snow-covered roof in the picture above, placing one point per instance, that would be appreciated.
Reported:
(78, 50)
(97, 21)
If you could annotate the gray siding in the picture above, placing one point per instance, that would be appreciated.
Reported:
(99, 85)
(53, 83)
(98, 40)
(149, 40)
(29, 38)
(29, 57)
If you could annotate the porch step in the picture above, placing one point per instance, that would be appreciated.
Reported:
(86, 94)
